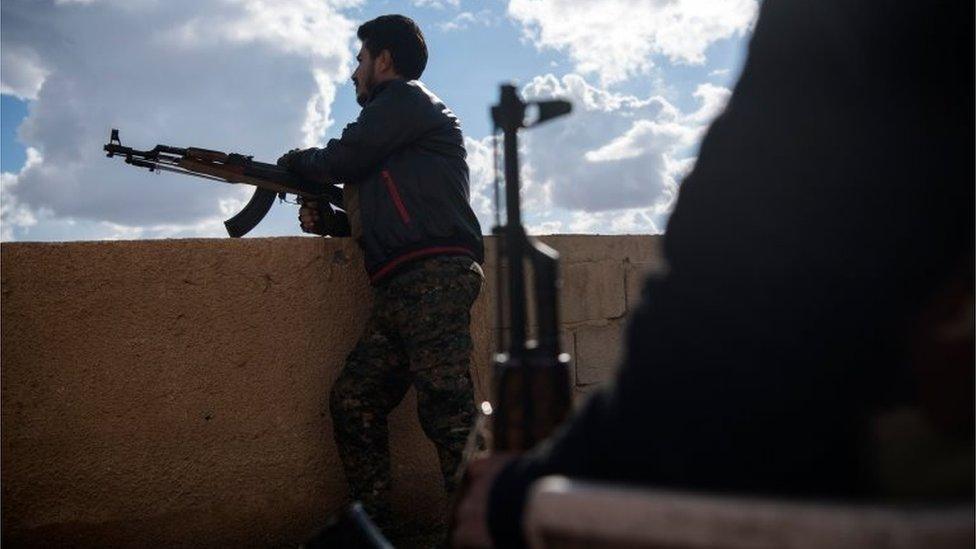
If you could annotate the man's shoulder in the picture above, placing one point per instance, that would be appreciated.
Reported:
(415, 89)
(422, 98)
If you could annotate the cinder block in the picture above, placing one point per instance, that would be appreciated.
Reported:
(636, 275)
(599, 350)
(504, 321)
(636, 248)
(592, 290)
(593, 270)
(567, 339)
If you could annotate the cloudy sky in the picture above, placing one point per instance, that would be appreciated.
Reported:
(264, 76)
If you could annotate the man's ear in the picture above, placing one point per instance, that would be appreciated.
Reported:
(384, 62)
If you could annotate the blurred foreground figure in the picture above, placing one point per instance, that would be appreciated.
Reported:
(814, 334)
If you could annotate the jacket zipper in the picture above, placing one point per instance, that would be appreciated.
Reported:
(395, 195)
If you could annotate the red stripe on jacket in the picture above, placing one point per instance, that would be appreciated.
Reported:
(395, 195)
(416, 254)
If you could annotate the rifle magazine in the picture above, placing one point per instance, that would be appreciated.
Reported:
(252, 214)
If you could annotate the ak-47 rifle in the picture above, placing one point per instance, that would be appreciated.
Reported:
(270, 180)
(531, 378)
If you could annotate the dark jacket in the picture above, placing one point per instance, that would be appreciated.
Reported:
(406, 179)
(834, 192)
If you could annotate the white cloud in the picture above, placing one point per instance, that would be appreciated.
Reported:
(625, 221)
(615, 151)
(713, 99)
(482, 196)
(23, 73)
(436, 4)
(545, 227)
(482, 180)
(466, 19)
(12, 212)
(612, 166)
(244, 75)
(617, 39)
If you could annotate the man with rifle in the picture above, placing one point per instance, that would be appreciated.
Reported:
(402, 163)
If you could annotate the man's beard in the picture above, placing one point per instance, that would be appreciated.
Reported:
(367, 87)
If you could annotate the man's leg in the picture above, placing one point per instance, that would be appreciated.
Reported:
(445, 403)
(374, 380)
(435, 301)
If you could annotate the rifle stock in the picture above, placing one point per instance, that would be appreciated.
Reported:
(270, 180)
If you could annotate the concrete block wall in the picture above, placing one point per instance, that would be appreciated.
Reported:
(602, 281)
(602, 278)
(176, 392)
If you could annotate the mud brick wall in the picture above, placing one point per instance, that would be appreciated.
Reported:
(175, 392)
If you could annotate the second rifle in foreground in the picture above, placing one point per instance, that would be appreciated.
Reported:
(531, 377)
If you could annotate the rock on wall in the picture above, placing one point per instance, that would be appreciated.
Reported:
(176, 392)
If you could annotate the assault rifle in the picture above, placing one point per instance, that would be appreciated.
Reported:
(271, 181)
(531, 378)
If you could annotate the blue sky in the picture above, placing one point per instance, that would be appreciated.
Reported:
(261, 78)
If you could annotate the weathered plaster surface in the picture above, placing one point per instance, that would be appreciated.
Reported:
(176, 392)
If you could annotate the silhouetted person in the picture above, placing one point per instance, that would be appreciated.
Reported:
(821, 270)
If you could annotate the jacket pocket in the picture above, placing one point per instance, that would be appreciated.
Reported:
(395, 196)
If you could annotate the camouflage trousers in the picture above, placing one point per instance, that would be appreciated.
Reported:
(419, 335)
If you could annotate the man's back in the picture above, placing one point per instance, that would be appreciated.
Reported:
(407, 190)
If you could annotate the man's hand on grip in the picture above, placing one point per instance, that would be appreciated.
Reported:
(310, 216)
(286, 159)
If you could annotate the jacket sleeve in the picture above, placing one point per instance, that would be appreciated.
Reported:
(393, 119)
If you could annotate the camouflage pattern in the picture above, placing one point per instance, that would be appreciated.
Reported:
(418, 334)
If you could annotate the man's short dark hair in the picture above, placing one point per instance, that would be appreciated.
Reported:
(402, 38)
